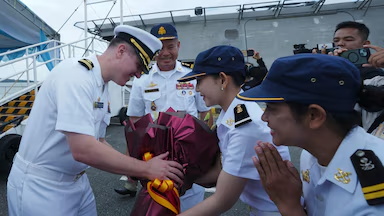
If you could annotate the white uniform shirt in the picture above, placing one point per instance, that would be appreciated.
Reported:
(65, 102)
(324, 195)
(237, 148)
(164, 92)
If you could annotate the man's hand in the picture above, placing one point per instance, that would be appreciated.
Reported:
(377, 58)
(162, 169)
(279, 178)
(256, 55)
(337, 52)
(322, 51)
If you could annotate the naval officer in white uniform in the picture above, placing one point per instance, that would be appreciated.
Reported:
(310, 104)
(220, 73)
(66, 130)
(160, 90)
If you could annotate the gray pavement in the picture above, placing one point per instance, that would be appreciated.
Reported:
(108, 202)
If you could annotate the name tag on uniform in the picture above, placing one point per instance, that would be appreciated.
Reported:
(98, 105)
(151, 90)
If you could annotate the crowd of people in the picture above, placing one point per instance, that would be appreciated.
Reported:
(313, 101)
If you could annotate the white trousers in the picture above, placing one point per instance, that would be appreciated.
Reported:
(30, 192)
(192, 197)
(256, 212)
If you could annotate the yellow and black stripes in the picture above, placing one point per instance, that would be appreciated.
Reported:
(19, 108)
(374, 192)
(15, 110)
(9, 117)
(86, 63)
(19, 103)
(188, 64)
(26, 97)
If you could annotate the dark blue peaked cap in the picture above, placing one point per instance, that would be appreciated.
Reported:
(164, 31)
(329, 81)
(227, 59)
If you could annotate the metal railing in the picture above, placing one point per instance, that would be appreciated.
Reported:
(60, 51)
(187, 14)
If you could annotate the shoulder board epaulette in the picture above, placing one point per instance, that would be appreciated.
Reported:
(86, 63)
(241, 115)
(370, 172)
(188, 65)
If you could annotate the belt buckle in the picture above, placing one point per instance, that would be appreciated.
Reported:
(79, 175)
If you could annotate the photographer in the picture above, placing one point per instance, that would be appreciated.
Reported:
(254, 74)
(351, 35)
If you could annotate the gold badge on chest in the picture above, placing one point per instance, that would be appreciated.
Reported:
(151, 85)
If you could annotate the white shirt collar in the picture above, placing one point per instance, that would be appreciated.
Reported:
(178, 68)
(341, 160)
(228, 118)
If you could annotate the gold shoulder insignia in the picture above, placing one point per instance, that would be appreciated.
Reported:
(188, 65)
(370, 172)
(86, 63)
(241, 115)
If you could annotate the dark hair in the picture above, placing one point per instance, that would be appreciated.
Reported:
(341, 123)
(362, 28)
(117, 41)
(237, 77)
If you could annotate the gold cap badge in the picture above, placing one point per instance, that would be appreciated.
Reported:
(161, 31)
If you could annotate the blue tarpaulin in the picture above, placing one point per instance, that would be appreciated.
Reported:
(20, 27)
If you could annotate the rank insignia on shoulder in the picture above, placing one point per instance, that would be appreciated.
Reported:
(241, 115)
(370, 172)
(188, 65)
(86, 63)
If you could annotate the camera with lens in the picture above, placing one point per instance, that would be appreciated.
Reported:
(251, 71)
(371, 98)
(248, 53)
(328, 47)
(300, 48)
(256, 72)
(357, 56)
